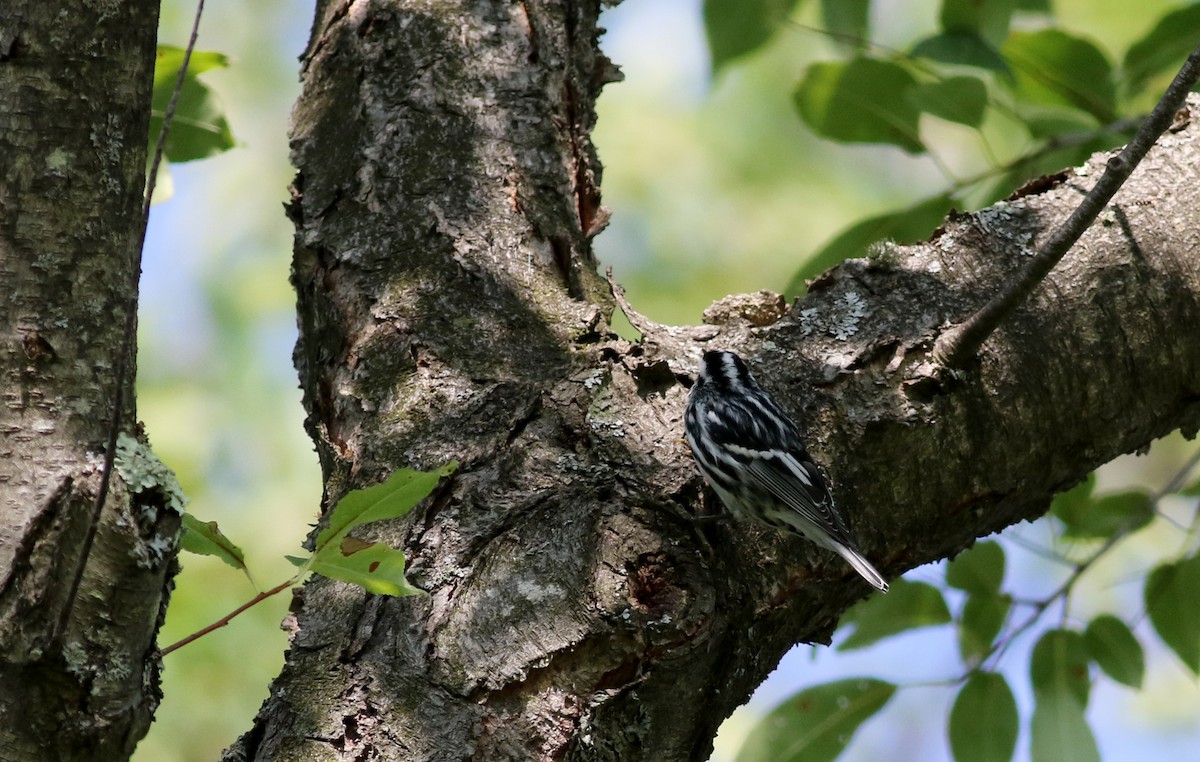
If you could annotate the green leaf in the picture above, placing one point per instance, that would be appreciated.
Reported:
(978, 570)
(987, 18)
(737, 27)
(848, 22)
(960, 49)
(1034, 6)
(955, 99)
(1162, 50)
(1104, 517)
(1113, 646)
(199, 128)
(1174, 608)
(907, 606)
(1067, 506)
(817, 723)
(204, 538)
(1054, 68)
(1060, 665)
(863, 100)
(904, 226)
(390, 499)
(983, 721)
(371, 565)
(982, 617)
(1060, 731)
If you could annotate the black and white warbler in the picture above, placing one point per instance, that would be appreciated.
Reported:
(753, 456)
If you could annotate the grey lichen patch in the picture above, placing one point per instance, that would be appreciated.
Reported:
(142, 471)
(841, 322)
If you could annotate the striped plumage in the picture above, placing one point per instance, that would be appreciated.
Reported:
(753, 456)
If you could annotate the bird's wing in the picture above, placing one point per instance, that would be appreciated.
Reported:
(797, 483)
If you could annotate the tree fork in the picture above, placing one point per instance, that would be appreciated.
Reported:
(449, 308)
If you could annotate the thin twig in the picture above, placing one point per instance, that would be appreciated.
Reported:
(124, 357)
(957, 345)
(228, 617)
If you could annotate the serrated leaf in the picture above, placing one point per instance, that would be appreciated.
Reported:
(848, 22)
(907, 606)
(1052, 67)
(978, 570)
(206, 539)
(1174, 608)
(987, 18)
(1060, 732)
(1103, 517)
(815, 724)
(1113, 646)
(1060, 665)
(961, 49)
(390, 499)
(863, 100)
(904, 226)
(737, 27)
(199, 128)
(982, 617)
(983, 721)
(1162, 50)
(373, 566)
(955, 99)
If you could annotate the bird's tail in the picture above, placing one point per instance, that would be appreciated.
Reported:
(862, 566)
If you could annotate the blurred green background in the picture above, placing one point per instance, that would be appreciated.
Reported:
(715, 187)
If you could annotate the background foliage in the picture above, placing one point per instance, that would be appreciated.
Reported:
(720, 181)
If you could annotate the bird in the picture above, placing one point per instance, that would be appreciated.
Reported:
(753, 456)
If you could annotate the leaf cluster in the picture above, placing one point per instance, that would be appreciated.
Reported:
(1058, 91)
(984, 722)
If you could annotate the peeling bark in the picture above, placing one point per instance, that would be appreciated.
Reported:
(449, 308)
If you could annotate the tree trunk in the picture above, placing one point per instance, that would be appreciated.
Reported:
(78, 674)
(445, 198)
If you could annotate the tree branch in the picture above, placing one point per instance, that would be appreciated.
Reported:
(959, 344)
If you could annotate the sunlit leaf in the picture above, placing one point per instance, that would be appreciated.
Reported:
(863, 100)
(199, 128)
(1060, 665)
(370, 565)
(206, 539)
(737, 27)
(1174, 607)
(983, 721)
(907, 606)
(978, 570)
(905, 226)
(817, 723)
(1060, 732)
(1052, 67)
(1113, 646)
(388, 500)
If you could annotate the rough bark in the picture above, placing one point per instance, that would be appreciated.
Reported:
(445, 195)
(78, 678)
